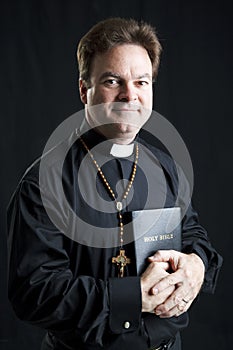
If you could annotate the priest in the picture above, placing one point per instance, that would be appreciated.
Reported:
(72, 258)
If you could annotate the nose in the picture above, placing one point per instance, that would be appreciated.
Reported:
(127, 93)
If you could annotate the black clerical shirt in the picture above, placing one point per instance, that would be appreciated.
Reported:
(61, 276)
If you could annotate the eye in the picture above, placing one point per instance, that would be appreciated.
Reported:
(111, 82)
(143, 82)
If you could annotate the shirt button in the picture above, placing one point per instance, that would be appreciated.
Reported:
(127, 325)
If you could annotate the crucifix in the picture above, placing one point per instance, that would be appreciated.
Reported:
(121, 260)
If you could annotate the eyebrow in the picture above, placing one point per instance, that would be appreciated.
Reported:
(117, 76)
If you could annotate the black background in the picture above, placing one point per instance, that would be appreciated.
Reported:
(193, 91)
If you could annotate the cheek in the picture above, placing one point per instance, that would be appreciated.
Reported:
(107, 95)
(148, 99)
(90, 97)
(93, 96)
(97, 97)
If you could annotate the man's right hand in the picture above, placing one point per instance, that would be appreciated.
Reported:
(153, 274)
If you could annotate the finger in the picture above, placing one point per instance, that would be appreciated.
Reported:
(170, 313)
(163, 255)
(175, 299)
(174, 305)
(150, 302)
(169, 280)
(153, 274)
(161, 264)
(176, 311)
(161, 297)
(183, 307)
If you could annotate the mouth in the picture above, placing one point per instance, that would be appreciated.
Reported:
(125, 109)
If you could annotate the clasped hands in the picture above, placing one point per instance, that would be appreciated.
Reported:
(171, 282)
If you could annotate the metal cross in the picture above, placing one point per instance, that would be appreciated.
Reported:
(121, 260)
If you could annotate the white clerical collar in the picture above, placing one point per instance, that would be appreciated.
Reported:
(121, 151)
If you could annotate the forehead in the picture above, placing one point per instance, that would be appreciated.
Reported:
(124, 60)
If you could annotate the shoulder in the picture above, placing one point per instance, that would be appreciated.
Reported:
(161, 155)
(49, 165)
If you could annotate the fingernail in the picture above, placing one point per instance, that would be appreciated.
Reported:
(158, 312)
(155, 291)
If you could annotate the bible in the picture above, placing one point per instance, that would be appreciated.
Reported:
(153, 230)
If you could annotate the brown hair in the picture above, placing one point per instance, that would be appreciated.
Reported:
(116, 31)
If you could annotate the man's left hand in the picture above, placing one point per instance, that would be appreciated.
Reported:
(187, 277)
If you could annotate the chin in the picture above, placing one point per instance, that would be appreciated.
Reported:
(124, 128)
(123, 132)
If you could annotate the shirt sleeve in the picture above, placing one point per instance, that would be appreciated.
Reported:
(43, 289)
(125, 304)
(196, 240)
(47, 293)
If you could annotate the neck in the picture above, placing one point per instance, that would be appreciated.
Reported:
(121, 141)
(125, 140)
(108, 133)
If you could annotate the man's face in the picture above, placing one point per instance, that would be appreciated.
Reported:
(119, 97)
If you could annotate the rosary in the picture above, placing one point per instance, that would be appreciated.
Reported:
(121, 259)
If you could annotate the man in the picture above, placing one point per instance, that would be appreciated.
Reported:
(70, 257)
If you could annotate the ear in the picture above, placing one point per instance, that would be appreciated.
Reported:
(83, 91)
